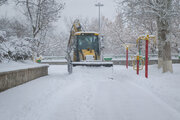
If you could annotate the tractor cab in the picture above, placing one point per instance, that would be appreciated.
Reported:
(87, 46)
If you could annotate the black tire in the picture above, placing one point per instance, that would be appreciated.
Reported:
(70, 68)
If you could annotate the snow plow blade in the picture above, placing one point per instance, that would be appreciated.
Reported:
(93, 64)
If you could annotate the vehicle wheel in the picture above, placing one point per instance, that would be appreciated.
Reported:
(70, 68)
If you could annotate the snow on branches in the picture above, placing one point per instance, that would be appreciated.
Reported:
(13, 48)
(41, 13)
(161, 11)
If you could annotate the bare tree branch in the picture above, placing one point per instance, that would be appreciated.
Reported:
(41, 13)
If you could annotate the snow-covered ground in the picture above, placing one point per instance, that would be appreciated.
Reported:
(95, 94)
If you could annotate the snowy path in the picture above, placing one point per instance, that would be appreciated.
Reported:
(87, 94)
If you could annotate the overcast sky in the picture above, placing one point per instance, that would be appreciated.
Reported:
(73, 9)
(87, 8)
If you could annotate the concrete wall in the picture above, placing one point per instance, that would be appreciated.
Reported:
(13, 78)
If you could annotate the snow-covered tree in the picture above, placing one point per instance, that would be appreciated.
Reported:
(162, 11)
(175, 35)
(19, 29)
(56, 44)
(41, 13)
(13, 40)
(14, 27)
(113, 35)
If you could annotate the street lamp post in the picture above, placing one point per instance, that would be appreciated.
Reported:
(99, 5)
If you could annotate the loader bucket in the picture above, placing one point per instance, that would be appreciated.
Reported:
(93, 64)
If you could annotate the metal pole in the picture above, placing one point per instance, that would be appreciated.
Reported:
(138, 65)
(146, 57)
(99, 18)
(127, 57)
(99, 5)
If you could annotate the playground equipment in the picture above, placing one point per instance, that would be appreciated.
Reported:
(147, 40)
(127, 46)
(138, 63)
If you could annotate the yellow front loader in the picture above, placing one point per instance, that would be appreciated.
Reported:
(84, 48)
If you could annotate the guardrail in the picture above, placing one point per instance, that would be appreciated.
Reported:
(150, 56)
(116, 59)
(112, 56)
(53, 57)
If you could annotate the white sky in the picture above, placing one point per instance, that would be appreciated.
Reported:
(73, 9)
(86, 8)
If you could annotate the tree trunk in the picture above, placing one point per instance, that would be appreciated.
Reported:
(167, 61)
(164, 45)
(160, 58)
(164, 55)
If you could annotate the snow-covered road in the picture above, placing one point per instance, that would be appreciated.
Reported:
(87, 94)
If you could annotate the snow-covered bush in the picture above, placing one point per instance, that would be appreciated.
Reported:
(14, 48)
(2, 46)
(2, 36)
(19, 49)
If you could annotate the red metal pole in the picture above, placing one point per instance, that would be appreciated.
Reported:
(146, 62)
(137, 65)
(127, 57)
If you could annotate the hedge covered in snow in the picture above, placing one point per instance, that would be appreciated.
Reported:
(13, 48)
